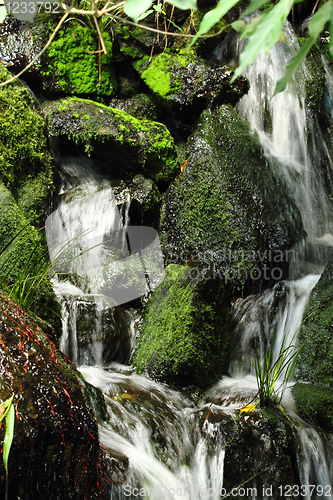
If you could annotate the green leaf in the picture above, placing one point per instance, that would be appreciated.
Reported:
(134, 8)
(9, 434)
(184, 4)
(294, 64)
(144, 15)
(213, 16)
(331, 35)
(3, 13)
(321, 17)
(266, 34)
(254, 5)
(252, 26)
(239, 26)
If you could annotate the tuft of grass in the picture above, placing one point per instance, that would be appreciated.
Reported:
(272, 378)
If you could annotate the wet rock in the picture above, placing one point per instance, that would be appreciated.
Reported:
(184, 81)
(118, 143)
(315, 361)
(55, 449)
(184, 338)
(140, 106)
(230, 209)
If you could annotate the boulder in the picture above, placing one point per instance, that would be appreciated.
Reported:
(314, 403)
(25, 162)
(118, 143)
(315, 361)
(184, 339)
(55, 450)
(230, 211)
(185, 83)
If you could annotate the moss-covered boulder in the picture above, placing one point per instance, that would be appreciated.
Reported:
(315, 403)
(315, 361)
(120, 144)
(73, 65)
(182, 80)
(22, 251)
(25, 162)
(184, 338)
(230, 209)
(55, 450)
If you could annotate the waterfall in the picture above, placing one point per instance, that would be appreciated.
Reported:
(172, 446)
(99, 261)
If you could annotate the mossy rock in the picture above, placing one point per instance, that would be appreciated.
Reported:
(24, 251)
(55, 450)
(120, 144)
(315, 361)
(72, 65)
(184, 338)
(25, 162)
(230, 209)
(184, 80)
(315, 403)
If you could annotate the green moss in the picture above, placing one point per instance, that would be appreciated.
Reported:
(23, 139)
(158, 75)
(222, 208)
(315, 82)
(315, 403)
(150, 143)
(26, 247)
(75, 67)
(184, 338)
(315, 361)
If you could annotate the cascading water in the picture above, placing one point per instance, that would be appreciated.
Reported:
(174, 449)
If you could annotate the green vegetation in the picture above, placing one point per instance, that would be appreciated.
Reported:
(141, 145)
(315, 404)
(74, 68)
(272, 378)
(316, 359)
(184, 338)
(23, 143)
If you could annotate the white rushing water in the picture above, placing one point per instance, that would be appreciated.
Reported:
(170, 445)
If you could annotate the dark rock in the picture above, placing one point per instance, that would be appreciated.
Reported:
(140, 106)
(230, 209)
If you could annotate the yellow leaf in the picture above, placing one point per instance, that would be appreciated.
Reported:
(247, 409)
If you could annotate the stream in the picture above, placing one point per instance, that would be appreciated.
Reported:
(169, 442)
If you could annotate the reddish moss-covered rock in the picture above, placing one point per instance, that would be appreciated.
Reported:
(55, 450)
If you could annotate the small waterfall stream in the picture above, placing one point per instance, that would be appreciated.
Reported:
(173, 448)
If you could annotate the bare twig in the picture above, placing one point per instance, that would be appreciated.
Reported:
(100, 35)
